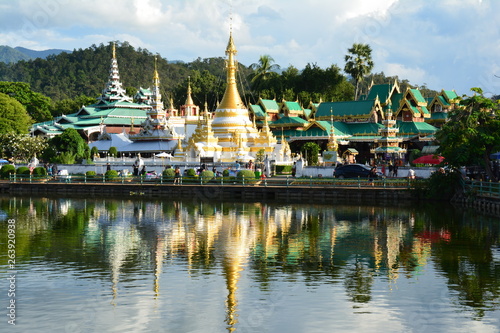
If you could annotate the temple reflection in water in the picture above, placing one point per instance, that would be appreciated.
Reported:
(346, 245)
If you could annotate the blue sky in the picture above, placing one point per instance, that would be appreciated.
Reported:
(444, 44)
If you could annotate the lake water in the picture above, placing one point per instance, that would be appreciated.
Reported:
(99, 265)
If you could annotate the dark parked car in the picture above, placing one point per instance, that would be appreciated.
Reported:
(354, 171)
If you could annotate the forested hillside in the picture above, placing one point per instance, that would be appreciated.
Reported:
(11, 55)
(79, 76)
(85, 72)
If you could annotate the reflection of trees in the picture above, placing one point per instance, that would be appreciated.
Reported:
(468, 263)
(347, 245)
(358, 282)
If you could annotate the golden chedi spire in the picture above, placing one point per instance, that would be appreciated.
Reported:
(231, 99)
(189, 99)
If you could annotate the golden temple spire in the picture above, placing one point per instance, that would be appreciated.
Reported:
(156, 77)
(114, 51)
(179, 145)
(205, 113)
(189, 99)
(231, 99)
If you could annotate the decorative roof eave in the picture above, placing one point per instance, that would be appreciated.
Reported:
(417, 96)
(408, 107)
(315, 123)
(451, 96)
(346, 118)
(288, 125)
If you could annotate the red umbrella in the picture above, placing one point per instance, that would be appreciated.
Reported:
(429, 159)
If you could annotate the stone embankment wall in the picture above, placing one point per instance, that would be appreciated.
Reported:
(213, 192)
(484, 204)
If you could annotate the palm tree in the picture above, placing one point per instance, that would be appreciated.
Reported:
(358, 63)
(263, 71)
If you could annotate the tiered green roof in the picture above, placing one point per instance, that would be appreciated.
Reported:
(382, 91)
(339, 128)
(340, 110)
(269, 105)
(418, 96)
(257, 111)
(443, 100)
(364, 129)
(396, 101)
(411, 129)
(289, 121)
(288, 108)
(450, 94)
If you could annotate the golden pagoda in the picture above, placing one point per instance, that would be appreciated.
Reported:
(203, 141)
(189, 109)
(232, 125)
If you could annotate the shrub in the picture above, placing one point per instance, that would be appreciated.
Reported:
(247, 175)
(113, 152)
(66, 158)
(225, 173)
(23, 170)
(168, 173)
(111, 174)
(7, 170)
(443, 186)
(191, 173)
(90, 173)
(280, 169)
(39, 171)
(94, 152)
(207, 175)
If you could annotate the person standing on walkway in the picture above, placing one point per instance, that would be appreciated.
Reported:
(372, 175)
(54, 170)
(177, 175)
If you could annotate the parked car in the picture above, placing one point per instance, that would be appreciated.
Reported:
(354, 171)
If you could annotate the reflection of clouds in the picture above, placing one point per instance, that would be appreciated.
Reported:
(64, 205)
(143, 249)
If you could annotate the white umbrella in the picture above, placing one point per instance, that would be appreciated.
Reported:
(163, 154)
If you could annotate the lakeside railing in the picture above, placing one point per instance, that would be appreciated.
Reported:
(482, 188)
(287, 181)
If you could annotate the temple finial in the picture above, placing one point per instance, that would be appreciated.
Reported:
(156, 77)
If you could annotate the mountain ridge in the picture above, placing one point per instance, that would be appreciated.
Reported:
(10, 54)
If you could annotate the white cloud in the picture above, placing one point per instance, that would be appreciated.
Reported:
(446, 44)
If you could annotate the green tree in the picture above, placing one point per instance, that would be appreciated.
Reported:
(264, 70)
(311, 150)
(13, 116)
(21, 147)
(37, 105)
(472, 133)
(358, 63)
(113, 152)
(69, 142)
(68, 106)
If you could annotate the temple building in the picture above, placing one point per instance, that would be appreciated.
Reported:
(113, 111)
(387, 120)
(237, 136)
(155, 134)
(440, 105)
